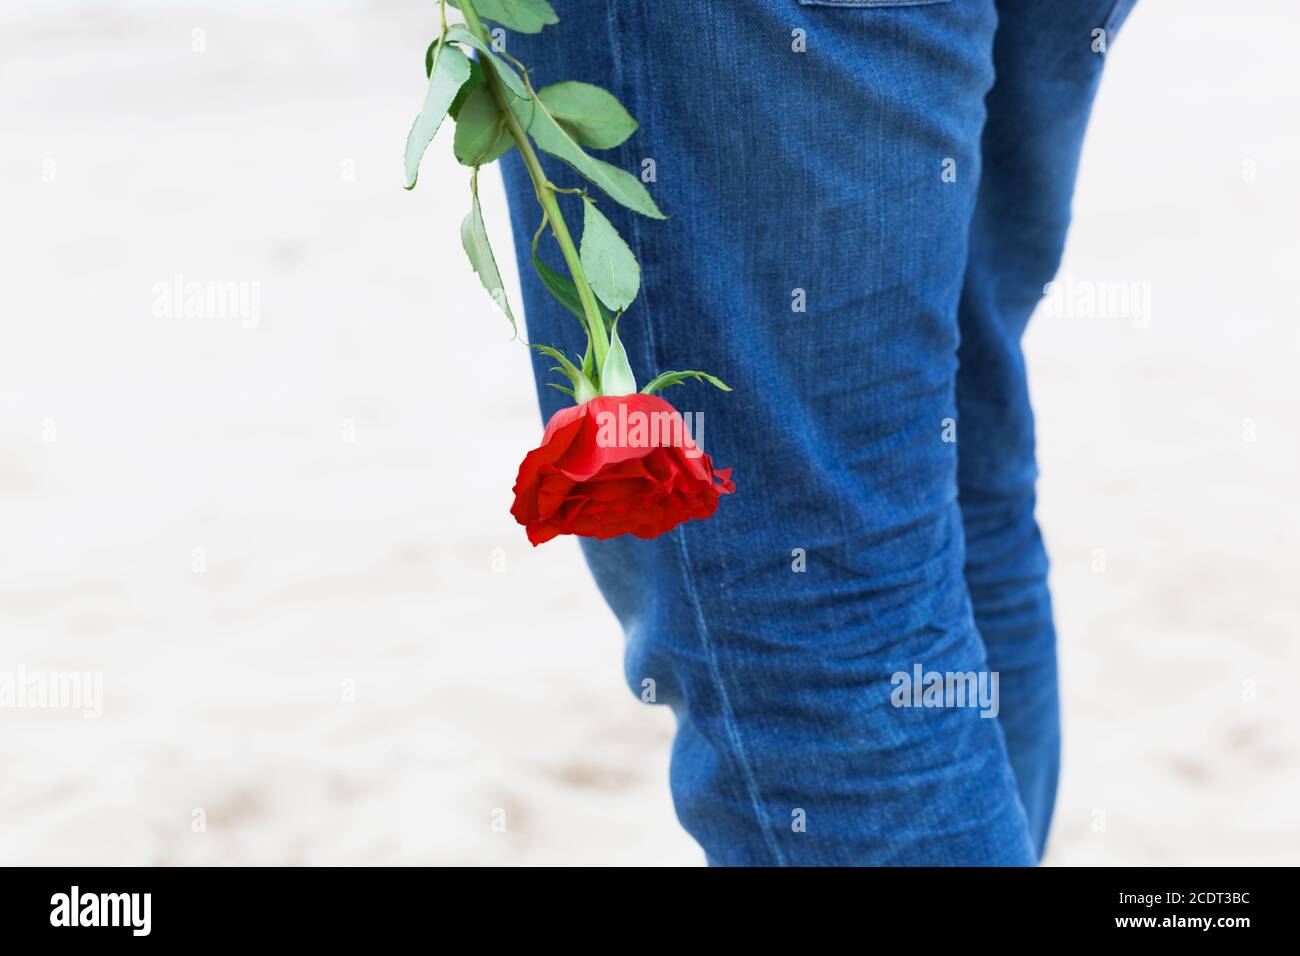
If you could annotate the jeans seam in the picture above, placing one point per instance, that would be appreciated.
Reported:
(728, 716)
(650, 350)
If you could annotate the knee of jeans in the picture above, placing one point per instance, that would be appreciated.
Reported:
(1003, 541)
(649, 669)
(1006, 575)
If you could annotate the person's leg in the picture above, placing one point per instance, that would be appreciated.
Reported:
(813, 260)
(1048, 61)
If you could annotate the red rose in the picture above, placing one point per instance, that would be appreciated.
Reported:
(617, 464)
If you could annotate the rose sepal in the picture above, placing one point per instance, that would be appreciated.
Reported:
(616, 376)
(583, 389)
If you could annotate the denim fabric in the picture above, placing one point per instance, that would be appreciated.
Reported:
(819, 177)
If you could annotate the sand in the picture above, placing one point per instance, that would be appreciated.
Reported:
(276, 525)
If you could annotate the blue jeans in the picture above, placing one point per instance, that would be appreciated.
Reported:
(863, 215)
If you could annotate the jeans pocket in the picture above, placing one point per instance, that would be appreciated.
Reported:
(1118, 14)
(869, 3)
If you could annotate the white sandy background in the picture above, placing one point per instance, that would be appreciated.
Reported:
(279, 539)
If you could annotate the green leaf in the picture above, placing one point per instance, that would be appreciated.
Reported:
(473, 236)
(526, 16)
(592, 116)
(565, 292)
(621, 186)
(448, 73)
(609, 264)
(474, 82)
(665, 379)
(481, 134)
(509, 78)
(616, 376)
(561, 287)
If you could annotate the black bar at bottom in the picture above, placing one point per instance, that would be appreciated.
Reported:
(337, 907)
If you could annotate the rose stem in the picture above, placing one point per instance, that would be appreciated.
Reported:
(545, 194)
